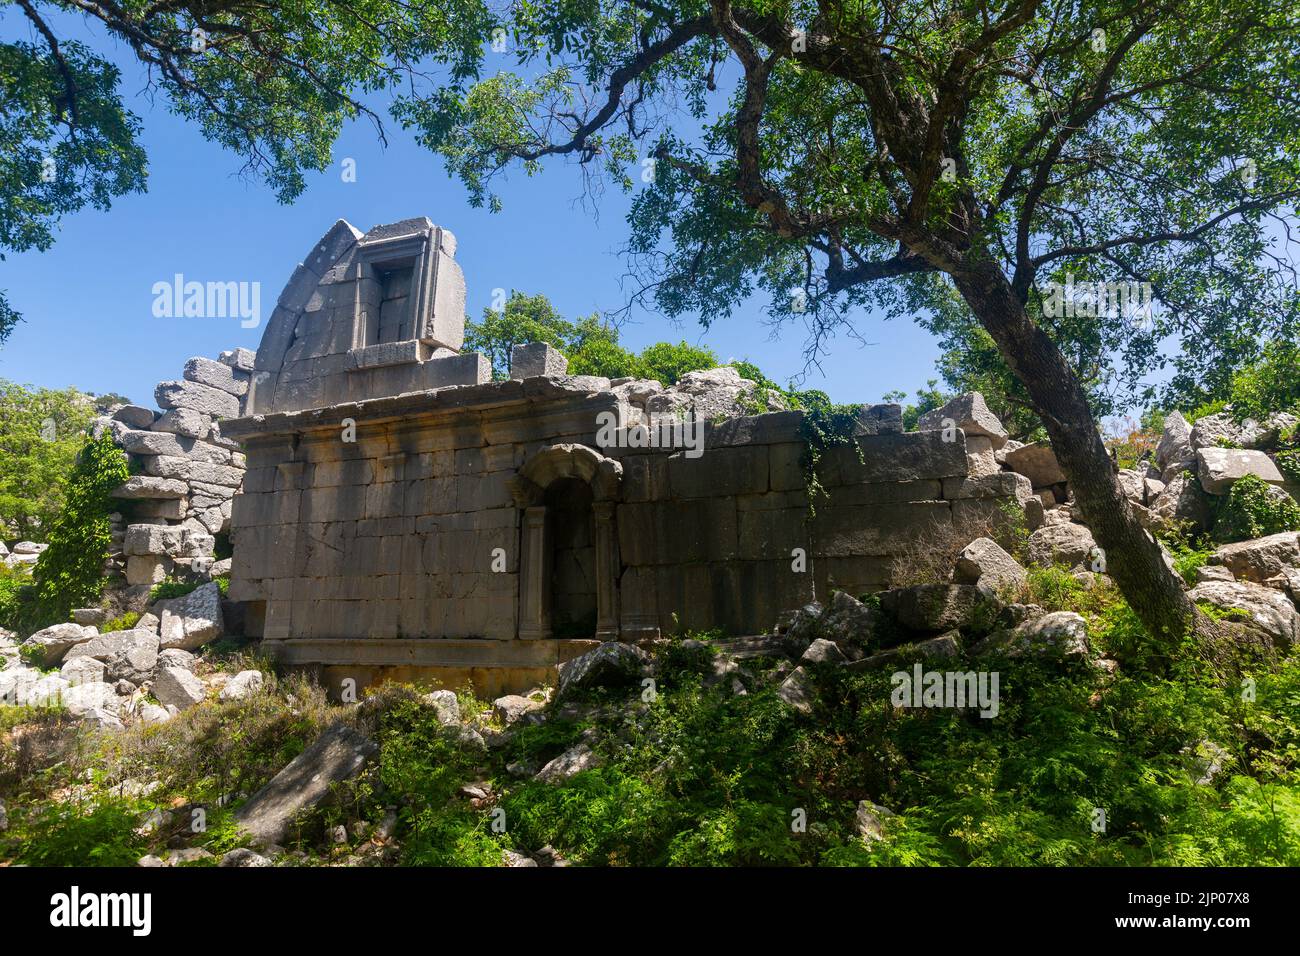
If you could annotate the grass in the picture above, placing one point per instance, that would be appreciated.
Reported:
(699, 776)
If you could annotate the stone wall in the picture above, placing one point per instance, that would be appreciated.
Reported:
(414, 543)
(185, 472)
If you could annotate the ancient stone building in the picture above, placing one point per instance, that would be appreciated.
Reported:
(404, 515)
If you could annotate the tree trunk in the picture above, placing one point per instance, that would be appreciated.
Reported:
(1133, 557)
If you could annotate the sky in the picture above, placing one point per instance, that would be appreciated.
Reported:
(88, 300)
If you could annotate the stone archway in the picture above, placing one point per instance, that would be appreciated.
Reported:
(559, 467)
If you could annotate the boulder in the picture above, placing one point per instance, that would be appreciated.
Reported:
(1261, 558)
(1213, 572)
(82, 670)
(193, 619)
(89, 616)
(242, 685)
(985, 564)
(945, 645)
(46, 691)
(846, 621)
(1037, 462)
(513, 707)
(1069, 544)
(869, 821)
(1058, 634)
(1218, 468)
(1175, 442)
(1131, 481)
(573, 761)
(797, 690)
(95, 702)
(338, 754)
(446, 704)
(610, 665)
(934, 608)
(822, 651)
(708, 394)
(15, 683)
(48, 646)
(1269, 610)
(244, 857)
(1183, 500)
(175, 657)
(1221, 430)
(971, 415)
(175, 687)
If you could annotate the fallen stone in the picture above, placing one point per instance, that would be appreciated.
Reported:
(971, 414)
(1058, 634)
(174, 687)
(985, 564)
(244, 857)
(1222, 430)
(1219, 468)
(242, 685)
(573, 761)
(797, 690)
(1069, 544)
(513, 707)
(175, 657)
(1261, 558)
(1183, 500)
(89, 616)
(47, 647)
(193, 619)
(82, 670)
(610, 665)
(1175, 441)
(934, 608)
(337, 755)
(218, 375)
(1037, 462)
(446, 705)
(184, 421)
(869, 821)
(135, 416)
(1269, 610)
(822, 651)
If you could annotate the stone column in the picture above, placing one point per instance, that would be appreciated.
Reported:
(534, 576)
(607, 565)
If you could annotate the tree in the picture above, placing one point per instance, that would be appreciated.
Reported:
(895, 153)
(273, 82)
(41, 432)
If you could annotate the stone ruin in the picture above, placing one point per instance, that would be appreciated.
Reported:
(403, 515)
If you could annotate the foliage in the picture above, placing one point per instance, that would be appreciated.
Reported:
(123, 622)
(165, 590)
(69, 573)
(1270, 384)
(1253, 509)
(41, 432)
(16, 596)
(1131, 443)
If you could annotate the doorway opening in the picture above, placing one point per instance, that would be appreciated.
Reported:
(571, 532)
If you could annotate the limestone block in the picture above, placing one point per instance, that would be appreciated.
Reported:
(1261, 558)
(1037, 462)
(135, 416)
(985, 564)
(1175, 442)
(145, 486)
(971, 414)
(176, 687)
(172, 509)
(718, 471)
(240, 359)
(218, 375)
(184, 421)
(1269, 610)
(1219, 468)
(148, 568)
(200, 398)
(191, 620)
(152, 539)
(49, 645)
(1069, 544)
(186, 469)
(980, 458)
(537, 358)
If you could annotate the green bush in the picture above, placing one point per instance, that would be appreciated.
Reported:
(1252, 509)
(70, 572)
(125, 622)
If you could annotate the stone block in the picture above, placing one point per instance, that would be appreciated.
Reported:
(1219, 468)
(184, 421)
(135, 416)
(240, 359)
(152, 539)
(148, 568)
(718, 471)
(146, 486)
(209, 401)
(537, 358)
(218, 375)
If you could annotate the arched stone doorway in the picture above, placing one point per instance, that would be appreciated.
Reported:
(569, 562)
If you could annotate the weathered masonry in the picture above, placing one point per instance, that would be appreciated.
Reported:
(404, 516)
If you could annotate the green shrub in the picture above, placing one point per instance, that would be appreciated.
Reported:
(171, 589)
(124, 622)
(70, 572)
(1288, 462)
(1252, 509)
(1269, 384)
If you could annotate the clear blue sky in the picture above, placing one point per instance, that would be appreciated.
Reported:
(87, 301)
